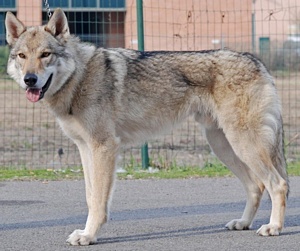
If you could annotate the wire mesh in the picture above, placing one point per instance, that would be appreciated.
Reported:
(30, 137)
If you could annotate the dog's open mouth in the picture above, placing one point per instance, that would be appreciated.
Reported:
(35, 94)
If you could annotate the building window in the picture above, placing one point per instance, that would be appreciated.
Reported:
(58, 3)
(2, 27)
(105, 29)
(97, 21)
(112, 3)
(84, 3)
(7, 3)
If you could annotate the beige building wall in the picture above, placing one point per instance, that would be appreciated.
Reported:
(191, 25)
(29, 11)
(277, 19)
(195, 25)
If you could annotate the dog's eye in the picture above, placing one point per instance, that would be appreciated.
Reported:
(45, 54)
(21, 55)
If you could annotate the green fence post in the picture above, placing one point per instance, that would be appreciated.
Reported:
(264, 50)
(145, 156)
(140, 33)
(140, 24)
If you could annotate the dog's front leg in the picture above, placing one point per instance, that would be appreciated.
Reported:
(101, 177)
(86, 160)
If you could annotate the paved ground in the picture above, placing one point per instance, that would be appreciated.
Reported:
(145, 215)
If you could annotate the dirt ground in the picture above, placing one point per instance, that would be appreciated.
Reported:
(29, 136)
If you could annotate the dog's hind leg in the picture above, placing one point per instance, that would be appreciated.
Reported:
(100, 172)
(258, 151)
(254, 188)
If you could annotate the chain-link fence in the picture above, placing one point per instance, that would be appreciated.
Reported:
(29, 136)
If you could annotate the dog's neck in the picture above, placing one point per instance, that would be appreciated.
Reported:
(61, 102)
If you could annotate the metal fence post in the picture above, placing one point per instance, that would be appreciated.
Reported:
(140, 33)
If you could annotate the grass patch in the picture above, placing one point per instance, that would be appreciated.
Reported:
(294, 169)
(212, 169)
(40, 174)
(4, 53)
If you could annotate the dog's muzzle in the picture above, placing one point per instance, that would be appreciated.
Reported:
(30, 79)
(33, 93)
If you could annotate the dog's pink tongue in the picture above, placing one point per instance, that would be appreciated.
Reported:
(33, 95)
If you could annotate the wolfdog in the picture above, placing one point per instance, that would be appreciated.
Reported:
(105, 98)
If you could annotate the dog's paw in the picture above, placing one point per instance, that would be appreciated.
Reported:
(238, 225)
(79, 238)
(268, 230)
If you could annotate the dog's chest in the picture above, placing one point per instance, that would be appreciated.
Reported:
(72, 128)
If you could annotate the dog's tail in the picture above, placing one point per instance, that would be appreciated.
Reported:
(272, 134)
(278, 157)
(273, 128)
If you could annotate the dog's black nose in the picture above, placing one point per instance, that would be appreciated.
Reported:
(30, 79)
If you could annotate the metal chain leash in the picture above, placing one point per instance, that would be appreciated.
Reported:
(48, 8)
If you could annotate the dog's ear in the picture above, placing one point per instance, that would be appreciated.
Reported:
(14, 28)
(58, 24)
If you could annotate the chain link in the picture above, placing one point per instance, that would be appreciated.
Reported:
(48, 8)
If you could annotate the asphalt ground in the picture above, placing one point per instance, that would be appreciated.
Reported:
(188, 214)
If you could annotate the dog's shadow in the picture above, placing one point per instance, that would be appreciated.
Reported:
(164, 212)
(164, 234)
(290, 220)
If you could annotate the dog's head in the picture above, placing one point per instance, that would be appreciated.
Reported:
(38, 55)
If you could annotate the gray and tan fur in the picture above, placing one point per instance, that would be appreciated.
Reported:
(105, 98)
